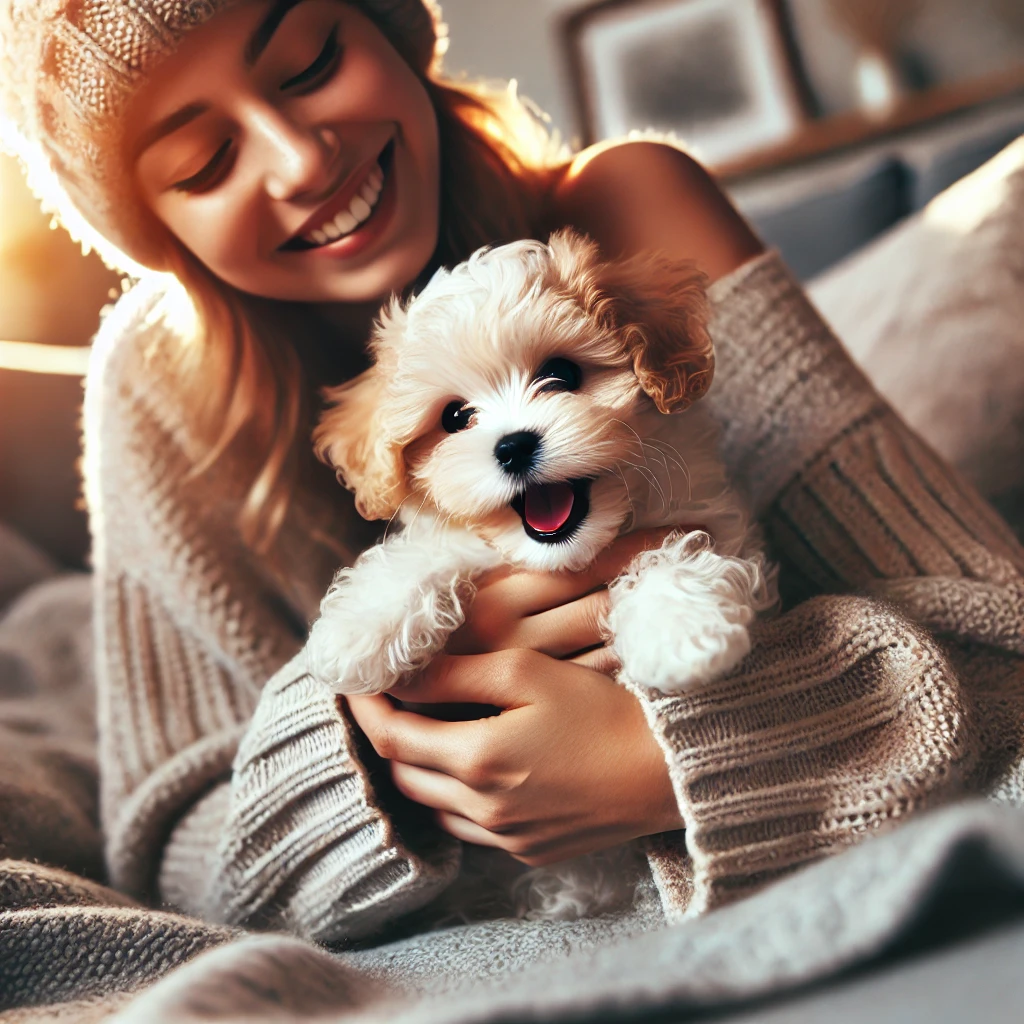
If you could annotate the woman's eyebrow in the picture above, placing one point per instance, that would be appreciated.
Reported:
(167, 126)
(258, 42)
(260, 39)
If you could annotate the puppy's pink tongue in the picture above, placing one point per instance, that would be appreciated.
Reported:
(547, 507)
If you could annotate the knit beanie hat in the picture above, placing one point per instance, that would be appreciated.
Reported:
(67, 71)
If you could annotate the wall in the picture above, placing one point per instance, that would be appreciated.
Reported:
(951, 40)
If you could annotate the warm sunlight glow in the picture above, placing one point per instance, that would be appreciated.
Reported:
(28, 357)
(971, 201)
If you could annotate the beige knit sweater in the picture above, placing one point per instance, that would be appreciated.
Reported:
(231, 785)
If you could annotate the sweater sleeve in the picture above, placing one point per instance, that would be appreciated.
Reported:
(848, 714)
(230, 784)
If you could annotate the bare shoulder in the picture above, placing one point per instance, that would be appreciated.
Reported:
(642, 196)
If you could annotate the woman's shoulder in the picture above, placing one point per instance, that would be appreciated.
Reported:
(131, 405)
(131, 330)
(643, 195)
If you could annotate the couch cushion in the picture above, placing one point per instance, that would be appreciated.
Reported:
(21, 565)
(934, 313)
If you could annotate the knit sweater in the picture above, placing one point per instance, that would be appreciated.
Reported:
(232, 786)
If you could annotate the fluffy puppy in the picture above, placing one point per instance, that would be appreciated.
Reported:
(527, 407)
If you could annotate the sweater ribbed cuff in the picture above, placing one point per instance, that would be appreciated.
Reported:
(844, 717)
(306, 848)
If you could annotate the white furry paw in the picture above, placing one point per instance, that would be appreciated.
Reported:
(680, 615)
(386, 617)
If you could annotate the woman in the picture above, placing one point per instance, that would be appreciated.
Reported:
(291, 163)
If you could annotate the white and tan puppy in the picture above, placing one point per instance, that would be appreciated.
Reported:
(526, 408)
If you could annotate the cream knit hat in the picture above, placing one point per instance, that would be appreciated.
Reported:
(67, 71)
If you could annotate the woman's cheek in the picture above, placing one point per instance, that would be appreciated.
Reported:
(225, 238)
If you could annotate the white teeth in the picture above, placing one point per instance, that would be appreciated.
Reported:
(346, 222)
(359, 209)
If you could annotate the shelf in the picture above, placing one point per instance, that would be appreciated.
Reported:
(844, 131)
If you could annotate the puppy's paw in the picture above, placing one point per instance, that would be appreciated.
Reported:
(680, 615)
(387, 616)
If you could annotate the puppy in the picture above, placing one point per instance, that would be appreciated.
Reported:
(526, 408)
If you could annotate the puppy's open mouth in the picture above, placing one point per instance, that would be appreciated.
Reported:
(552, 512)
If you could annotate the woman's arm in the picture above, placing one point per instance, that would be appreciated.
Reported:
(227, 795)
(848, 714)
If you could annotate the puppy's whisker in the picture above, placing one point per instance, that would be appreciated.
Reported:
(639, 439)
(415, 516)
(642, 444)
(646, 473)
(678, 460)
(662, 462)
(625, 483)
(667, 450)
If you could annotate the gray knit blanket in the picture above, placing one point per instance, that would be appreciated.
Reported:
(72, 949)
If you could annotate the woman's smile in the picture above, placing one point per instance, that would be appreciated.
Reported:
(294, 153)
(355, 216)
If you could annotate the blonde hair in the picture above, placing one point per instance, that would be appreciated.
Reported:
(248, 387)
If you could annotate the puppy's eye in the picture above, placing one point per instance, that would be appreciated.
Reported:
(559, 375)
(456, 416)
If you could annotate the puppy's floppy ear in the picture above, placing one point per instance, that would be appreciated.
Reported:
(353, 437)
(659, 308)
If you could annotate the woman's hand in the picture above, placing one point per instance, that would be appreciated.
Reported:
(568, 767)
(561, 614)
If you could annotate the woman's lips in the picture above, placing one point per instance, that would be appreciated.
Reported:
(360, 189)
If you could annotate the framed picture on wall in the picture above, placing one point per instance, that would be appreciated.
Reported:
(718, 74)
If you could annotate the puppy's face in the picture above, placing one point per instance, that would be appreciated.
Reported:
(504, 396)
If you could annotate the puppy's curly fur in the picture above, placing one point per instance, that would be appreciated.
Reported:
(526, 408)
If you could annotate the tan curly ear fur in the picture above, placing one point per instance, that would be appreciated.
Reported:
(353, 438)
(659, 308)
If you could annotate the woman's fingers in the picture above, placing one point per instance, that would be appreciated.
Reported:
(501, 679)
(433, 789)
(469, 831)
(566, 631)
(600, 659)
(399, 735)
(507, 607)
(563, 631)
(533, 592)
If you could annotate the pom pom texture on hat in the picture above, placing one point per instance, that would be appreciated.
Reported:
(67, 71)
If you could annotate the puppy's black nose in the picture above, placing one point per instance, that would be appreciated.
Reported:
(516, 451)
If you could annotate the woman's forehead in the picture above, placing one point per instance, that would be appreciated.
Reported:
(199, 72)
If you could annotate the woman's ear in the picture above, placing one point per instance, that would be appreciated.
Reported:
(352, 437)
(658, 307)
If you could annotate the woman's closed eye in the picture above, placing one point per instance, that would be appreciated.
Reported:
(319, 71)
(212, 172)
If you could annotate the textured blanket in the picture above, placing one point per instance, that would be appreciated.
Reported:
(72, 950)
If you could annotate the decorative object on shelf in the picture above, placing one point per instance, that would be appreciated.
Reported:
(718, 74)
(878, 27)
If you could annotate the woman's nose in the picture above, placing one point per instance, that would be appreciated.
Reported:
(300, 158)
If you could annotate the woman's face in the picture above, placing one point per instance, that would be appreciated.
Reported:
(293, 151)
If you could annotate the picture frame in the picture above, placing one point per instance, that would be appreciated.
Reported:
(719, 75)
